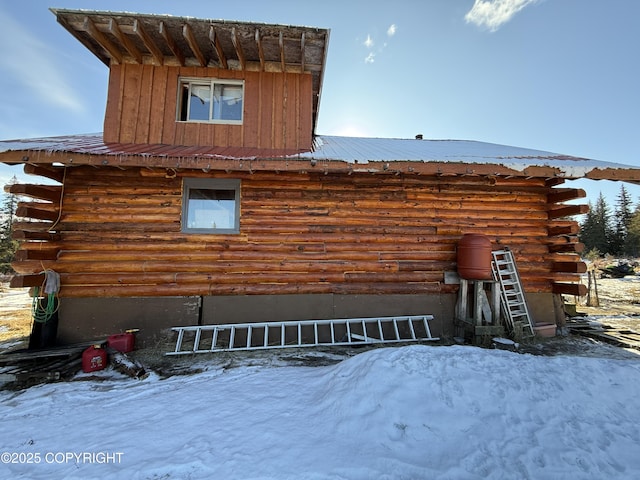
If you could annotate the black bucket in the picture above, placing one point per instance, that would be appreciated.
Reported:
(44, 334)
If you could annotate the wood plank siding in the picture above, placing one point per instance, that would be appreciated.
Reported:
(118, 233)
(142, 99)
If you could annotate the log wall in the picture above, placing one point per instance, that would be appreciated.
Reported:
(117, 233)
(142, 99)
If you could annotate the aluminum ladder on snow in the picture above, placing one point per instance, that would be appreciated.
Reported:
(514, 303)
(305, 333)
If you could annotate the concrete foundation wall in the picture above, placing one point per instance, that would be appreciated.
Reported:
(83, 319)
(543, 309)
(261, 308)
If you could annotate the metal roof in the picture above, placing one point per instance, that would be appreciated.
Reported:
(367, 150)
(93, 144)
(329, 154)
(122, 37)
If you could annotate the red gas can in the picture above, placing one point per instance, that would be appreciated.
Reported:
(122, 342)
(94, 358)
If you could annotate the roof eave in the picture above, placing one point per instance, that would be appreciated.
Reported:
(294, 163)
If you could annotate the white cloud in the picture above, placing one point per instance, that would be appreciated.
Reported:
(32, 63)
(492, 14)
(368, 42)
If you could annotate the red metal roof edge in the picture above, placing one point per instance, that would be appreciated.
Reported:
(92, 144)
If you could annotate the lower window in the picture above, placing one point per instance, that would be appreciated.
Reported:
(210, 205)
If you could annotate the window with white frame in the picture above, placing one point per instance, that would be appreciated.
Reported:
(210, 100)
(211, 205)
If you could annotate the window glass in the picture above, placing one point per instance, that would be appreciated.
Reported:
(211, 206)
(200, 102)
(227, 102)
(211, 100)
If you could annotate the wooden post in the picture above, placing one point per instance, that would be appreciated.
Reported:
(482, 319)
(477, 302)
(497, 312)
(559, 308)
(462, 300)
(592, 301)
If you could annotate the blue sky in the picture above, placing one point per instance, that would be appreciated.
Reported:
(555, 75)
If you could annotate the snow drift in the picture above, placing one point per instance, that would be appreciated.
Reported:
(415, 412)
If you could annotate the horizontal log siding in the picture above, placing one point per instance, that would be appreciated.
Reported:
(119, 235)
(141, 108)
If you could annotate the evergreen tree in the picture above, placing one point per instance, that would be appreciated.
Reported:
(587, 227)
(622, 219)
(8, 246)
(595, 231)
(632, 242)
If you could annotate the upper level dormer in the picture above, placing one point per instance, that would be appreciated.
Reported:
(186, 81)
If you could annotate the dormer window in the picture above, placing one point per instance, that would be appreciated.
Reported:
(210, 100)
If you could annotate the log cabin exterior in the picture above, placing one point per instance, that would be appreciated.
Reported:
(181, 214)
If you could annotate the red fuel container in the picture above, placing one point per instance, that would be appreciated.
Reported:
(122, 342)
(94, 358)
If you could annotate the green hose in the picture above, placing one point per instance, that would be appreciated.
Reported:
(42, 313)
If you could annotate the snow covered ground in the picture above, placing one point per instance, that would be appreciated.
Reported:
(414, 412)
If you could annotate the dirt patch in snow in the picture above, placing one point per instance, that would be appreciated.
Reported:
(15, 316)
(617, 302)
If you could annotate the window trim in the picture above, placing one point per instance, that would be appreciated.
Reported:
(211, 82)
(213, 184)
